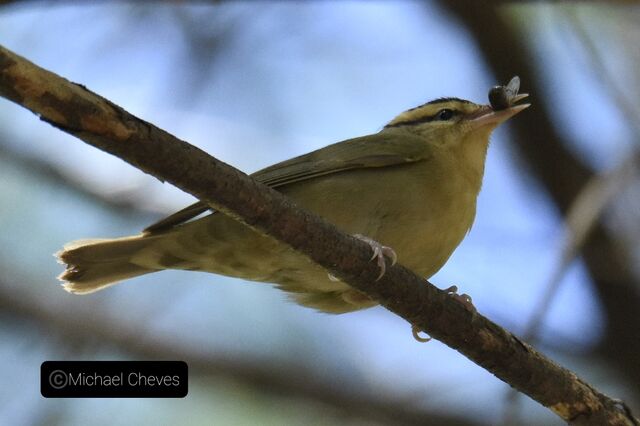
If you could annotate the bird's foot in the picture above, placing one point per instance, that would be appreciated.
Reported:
(379, 252)
(452, 291)
(463, 298)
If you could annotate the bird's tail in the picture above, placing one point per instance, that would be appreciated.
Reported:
(95, 264)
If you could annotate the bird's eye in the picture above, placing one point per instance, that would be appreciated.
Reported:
(445, 114)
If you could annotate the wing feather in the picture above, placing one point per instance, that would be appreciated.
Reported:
(383, 149)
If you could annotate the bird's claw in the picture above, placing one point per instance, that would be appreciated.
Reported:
(379, 253)
(452, 291)
(463, 298)
(416, 335)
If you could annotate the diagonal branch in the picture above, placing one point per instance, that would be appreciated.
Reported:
(78, 111)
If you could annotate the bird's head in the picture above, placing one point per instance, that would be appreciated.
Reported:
(451, 120)
(456, 125)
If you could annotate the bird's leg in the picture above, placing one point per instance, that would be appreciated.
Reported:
(379, 252)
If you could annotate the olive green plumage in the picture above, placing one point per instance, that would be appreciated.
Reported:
(412, 187)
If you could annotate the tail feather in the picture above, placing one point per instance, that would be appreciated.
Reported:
(96, 264)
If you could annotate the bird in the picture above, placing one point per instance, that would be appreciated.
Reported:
(410, 190)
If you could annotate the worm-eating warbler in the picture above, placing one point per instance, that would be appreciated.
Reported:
(412, 187)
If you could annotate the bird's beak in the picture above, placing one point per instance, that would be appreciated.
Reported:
(486, 116)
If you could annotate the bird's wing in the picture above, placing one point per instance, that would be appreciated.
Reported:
(177, 218)
(382, 149)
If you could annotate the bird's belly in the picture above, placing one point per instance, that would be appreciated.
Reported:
(424, 244)
(423, 224)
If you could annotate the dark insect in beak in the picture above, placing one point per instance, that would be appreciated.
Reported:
(498, 98)
(502, 97)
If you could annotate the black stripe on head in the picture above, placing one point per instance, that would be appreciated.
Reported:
(420, 120)
(441, 100)
(413, 115)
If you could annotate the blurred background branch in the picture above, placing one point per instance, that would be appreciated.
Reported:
(119, 203)
(87, 328)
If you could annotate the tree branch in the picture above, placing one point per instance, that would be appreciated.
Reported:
(75, 110)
